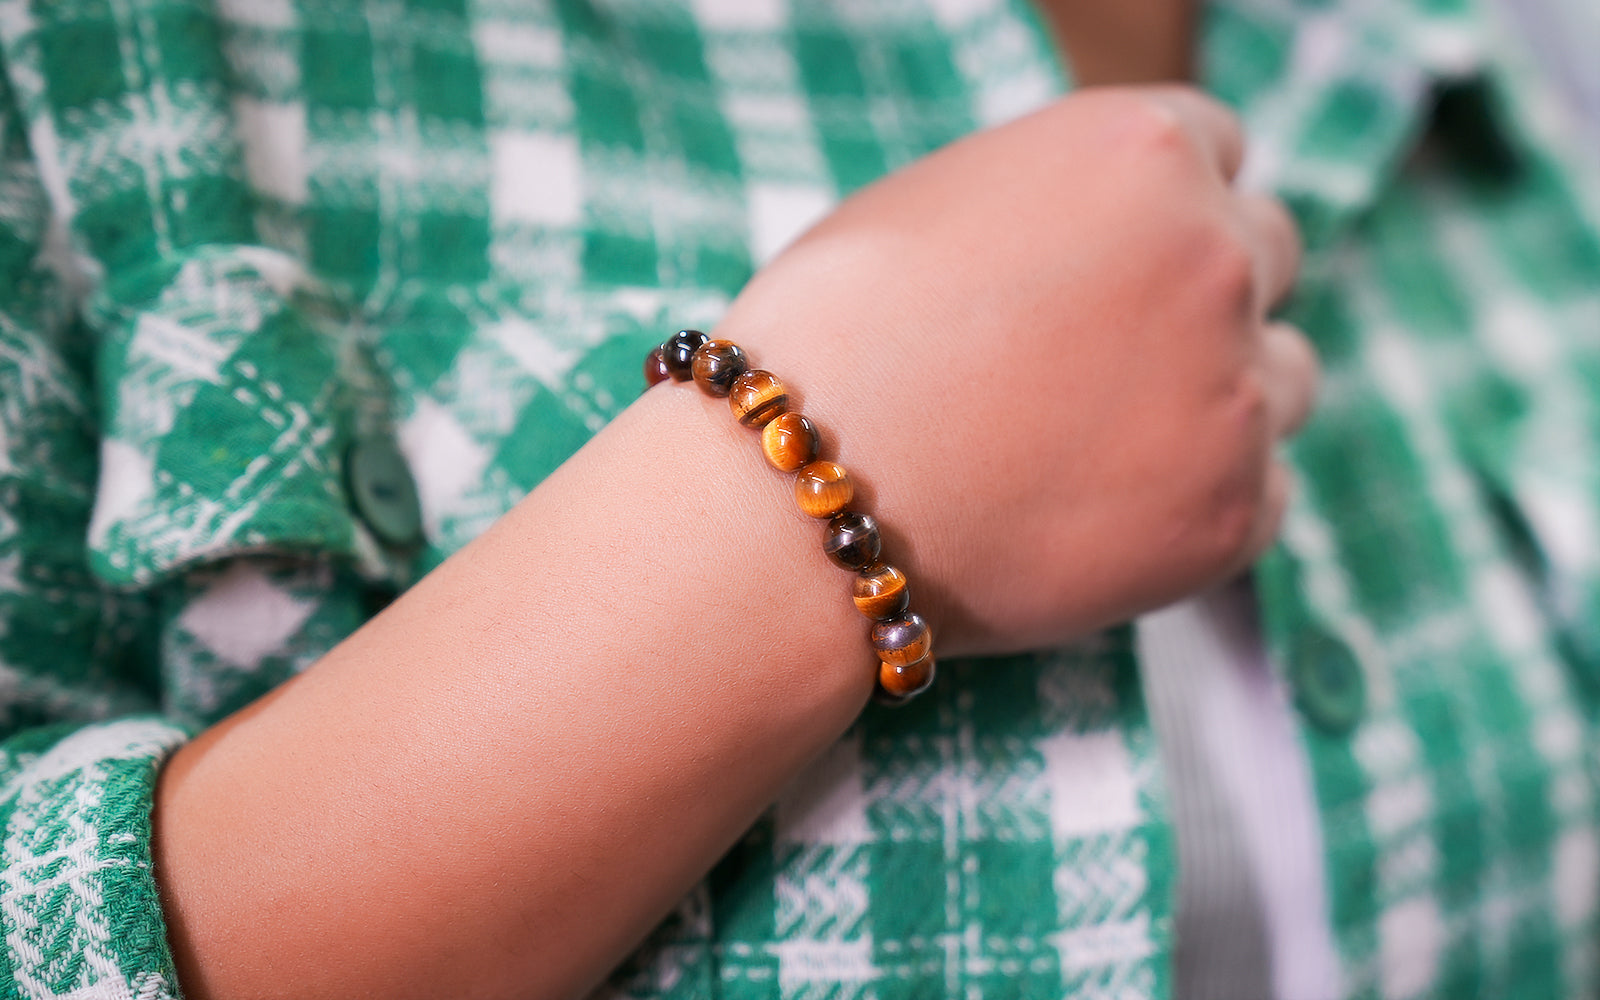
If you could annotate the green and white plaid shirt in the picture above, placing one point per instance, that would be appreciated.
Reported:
(242, 244)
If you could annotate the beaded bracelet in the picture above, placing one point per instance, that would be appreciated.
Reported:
(790, 441)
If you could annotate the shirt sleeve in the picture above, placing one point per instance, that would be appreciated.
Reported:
(79, 905)
(79, 911)
(168, 403)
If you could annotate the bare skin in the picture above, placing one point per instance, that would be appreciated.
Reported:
(501, 782)
(1130, 41)
(1064, 395)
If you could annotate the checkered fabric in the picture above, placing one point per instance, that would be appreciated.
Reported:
(1444, 536)
(238, 237)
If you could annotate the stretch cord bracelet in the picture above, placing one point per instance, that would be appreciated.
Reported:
(790, 441)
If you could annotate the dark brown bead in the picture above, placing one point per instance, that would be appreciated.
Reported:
(901, 682)
(756, 397)
(679, 353)
(789, 441)
(655, 368)
(823, 489)
(716, 364)
(881, 592)
(853, 541)
(902, 640)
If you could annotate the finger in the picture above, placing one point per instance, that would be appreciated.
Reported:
(1291, 373)
(1278, 488)
(1275, 242)
(1213, 126)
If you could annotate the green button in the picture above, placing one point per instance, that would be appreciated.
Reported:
(383, 491)
(1329, 686)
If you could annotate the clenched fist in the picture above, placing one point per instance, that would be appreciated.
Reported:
(1046, 350)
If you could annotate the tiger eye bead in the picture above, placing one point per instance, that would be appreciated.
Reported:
(903, 640)
(902, 682)
(655, 368)
(679, 353)
(789, 441)
(881, 592)
(823, 489)
(756, 397)
(853, 541)
(716, 364)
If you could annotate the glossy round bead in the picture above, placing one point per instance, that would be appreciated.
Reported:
(655, 368)
(902, 640)
(881, 592)
(853, 541)
(789, 441)
(716, 364)
(902, 682)
(679, 352)
(823, 489)
(756, 397)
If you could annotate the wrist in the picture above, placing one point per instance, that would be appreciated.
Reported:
(731, 544)
(851, 363)
(566, 723)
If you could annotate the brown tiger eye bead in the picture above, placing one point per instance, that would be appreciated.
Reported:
(655, 368)
(789, 441)
(823, 489)
(716, 364)
(853, 541)
(902, 682)
(756, 397)
(679, 352)
(881, 592)
(902, 640)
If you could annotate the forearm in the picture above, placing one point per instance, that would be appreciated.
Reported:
(504, 780)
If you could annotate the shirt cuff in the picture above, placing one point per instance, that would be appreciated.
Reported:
(79, 906)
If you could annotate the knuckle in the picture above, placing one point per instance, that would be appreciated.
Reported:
(1232, 531)
(1252, 396)
(1152, 127)
(1251, 416)
(1138, 124)
(1279, 229)
(1270, 512)
(1275, 500)
(1297, 372)
(1285, 224)
(1229, 263)
(1243, 492)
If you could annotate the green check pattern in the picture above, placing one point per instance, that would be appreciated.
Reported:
(1443, 536)
(237, 238)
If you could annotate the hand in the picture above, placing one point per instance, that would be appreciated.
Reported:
(1046, 348)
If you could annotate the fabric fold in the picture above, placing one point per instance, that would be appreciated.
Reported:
(224, 416)
(220, 364)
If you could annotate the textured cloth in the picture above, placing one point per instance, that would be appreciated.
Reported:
(1444, 540)
(237, 240)
(1252, 892)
